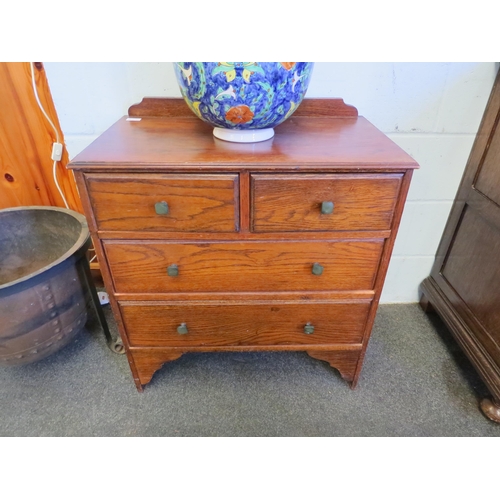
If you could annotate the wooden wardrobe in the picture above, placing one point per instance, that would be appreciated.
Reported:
(464, 284)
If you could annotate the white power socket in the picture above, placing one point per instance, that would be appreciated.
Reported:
(103, 298)
(57, 151)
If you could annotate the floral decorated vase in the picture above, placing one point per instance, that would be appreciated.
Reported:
(244, 101)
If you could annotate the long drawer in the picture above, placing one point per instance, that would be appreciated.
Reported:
(150, 267)
(190, 324)
(165, 202)
(334, 202)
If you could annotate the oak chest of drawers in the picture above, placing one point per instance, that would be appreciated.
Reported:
(206, 245)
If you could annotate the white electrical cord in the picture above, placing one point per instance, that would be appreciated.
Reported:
(54, 167)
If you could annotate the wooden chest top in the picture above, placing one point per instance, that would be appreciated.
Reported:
(303, 142)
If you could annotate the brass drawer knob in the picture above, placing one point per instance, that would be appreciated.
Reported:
(327, 207)
(161, 208)
(308, 329)
(317, 269)
(182, 329)
(173, 270)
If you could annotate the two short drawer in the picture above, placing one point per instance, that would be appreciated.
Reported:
(211, 203)
(326, 202)
(165, 202)
(191, 324)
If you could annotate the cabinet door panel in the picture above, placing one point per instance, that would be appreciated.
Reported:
(472, 269)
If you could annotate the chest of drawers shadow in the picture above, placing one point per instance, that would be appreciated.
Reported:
(206, 245)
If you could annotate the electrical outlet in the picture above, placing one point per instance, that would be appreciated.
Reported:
(103, 298)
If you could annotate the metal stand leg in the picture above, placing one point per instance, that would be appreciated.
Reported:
(116, 345)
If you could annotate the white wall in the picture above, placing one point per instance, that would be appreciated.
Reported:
(431, 110)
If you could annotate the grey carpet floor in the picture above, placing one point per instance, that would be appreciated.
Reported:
(415, 382)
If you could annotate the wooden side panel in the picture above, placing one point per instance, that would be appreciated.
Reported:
(139, 267)
(293, 202)
(26, 139)
(488, 176)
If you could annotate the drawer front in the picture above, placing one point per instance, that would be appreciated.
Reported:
(163, 202)
(335, 202)
(142, 267)
(191, 324)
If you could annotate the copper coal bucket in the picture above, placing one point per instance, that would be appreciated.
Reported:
(43, 286)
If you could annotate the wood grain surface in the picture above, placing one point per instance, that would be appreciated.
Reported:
(346, 362)
(141, 267)
(187, 143)
(196, 202)
(472, 269)
(293, 202)
(487, 179)
(26, 139)
(146, 362)
(233, 324)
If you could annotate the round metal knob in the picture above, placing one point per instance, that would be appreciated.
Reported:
(308, 329)
(327, 207)
(173, 270)
(161, 208)
(182, 329)
(317, 269)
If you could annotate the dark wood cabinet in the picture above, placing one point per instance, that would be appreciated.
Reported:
(464, 285)
(206, 245)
